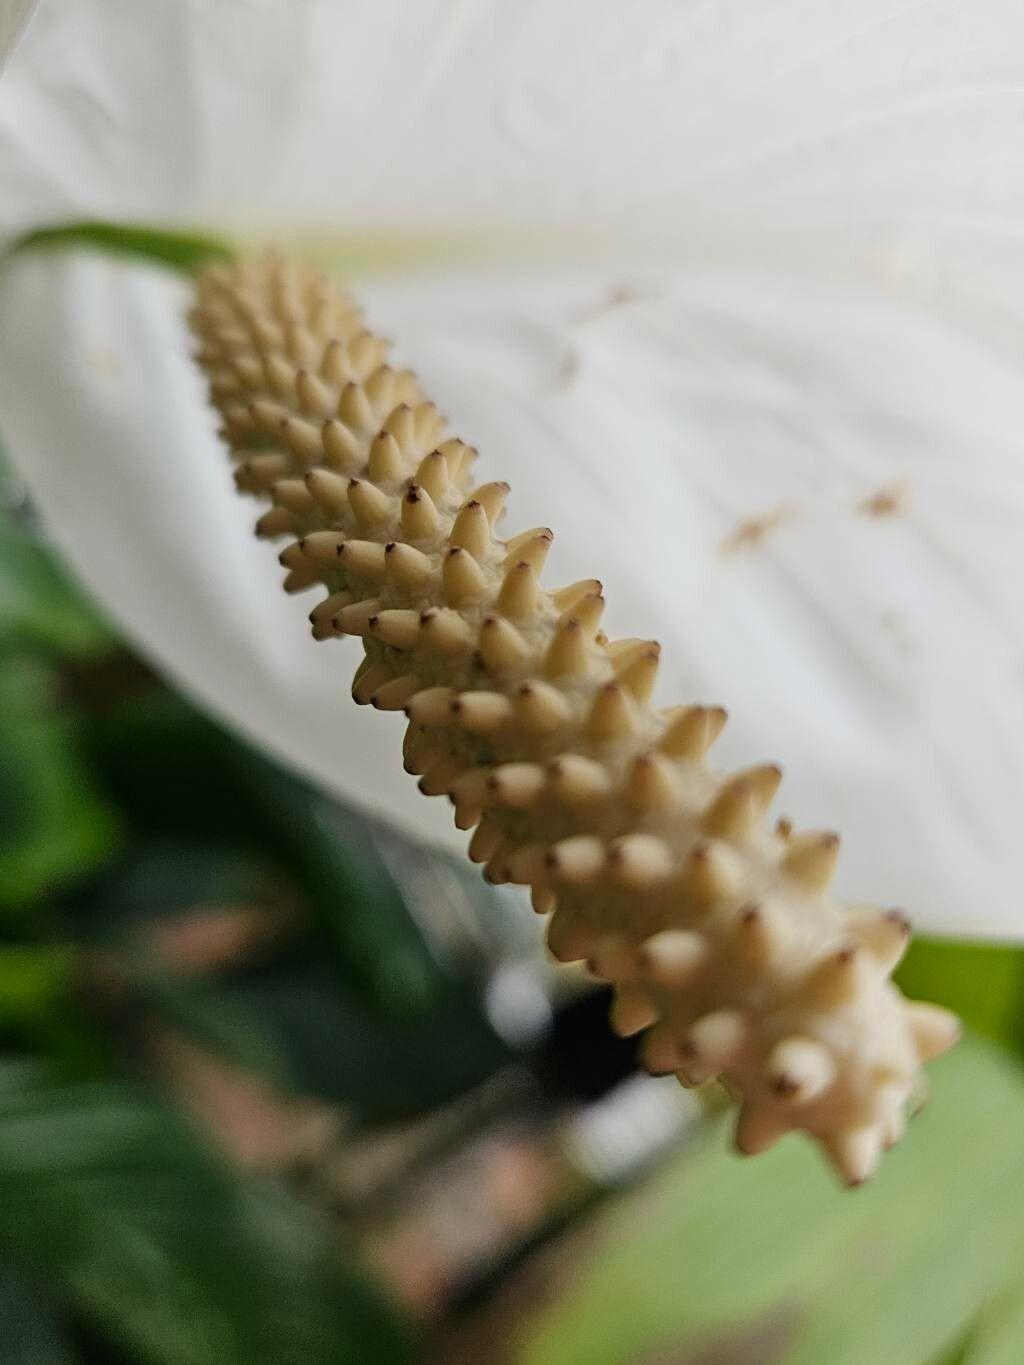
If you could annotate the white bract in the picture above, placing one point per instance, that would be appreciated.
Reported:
(14, 15)
(731, 294)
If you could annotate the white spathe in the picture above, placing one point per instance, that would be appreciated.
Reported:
(14, 15)
(856, 121)
(820, 301)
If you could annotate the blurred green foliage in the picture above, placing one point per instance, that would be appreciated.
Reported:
(982, 982)
(769, 1261)
(56, 825)
(211, 782)
(105, 1190)
(120, 810)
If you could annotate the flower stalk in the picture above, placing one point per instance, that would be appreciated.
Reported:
(716, 930)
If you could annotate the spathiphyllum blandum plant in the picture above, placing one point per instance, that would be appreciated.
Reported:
(731, 294)
(716, 930)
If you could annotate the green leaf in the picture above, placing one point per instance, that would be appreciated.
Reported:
(181, 250)
(772, 1254)
(56, 825)
(40, 1009)
(982, 982)
(40, 605)
(168, 875)
(998, 1336)
(213, 783)
(292, 1019)
(170, 1253)
(377, 1016)
(33, 980)
(220, 1018)
(30, 1323)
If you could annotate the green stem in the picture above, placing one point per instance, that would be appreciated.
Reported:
(181, 250)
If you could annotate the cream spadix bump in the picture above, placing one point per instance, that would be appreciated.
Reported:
(718, 933)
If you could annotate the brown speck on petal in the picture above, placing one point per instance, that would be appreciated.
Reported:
(890, 501)
(568, 369)
(752, 532)
(617, 296)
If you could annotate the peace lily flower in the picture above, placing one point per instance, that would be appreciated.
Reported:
(729, 292)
